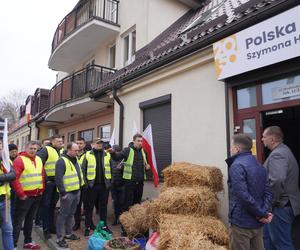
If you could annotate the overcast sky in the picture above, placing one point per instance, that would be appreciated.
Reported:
(26, 31)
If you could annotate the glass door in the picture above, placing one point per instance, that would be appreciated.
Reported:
(249, 124)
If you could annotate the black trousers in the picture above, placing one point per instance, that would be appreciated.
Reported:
(98, 192)
(133, 193)
(25, 212)
(118, 197)
(77, 215)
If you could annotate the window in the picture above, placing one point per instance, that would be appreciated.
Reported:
(246, 97)
(112, 56)
(281, 90)
(104, 132)
(129, 47)
(71, 137)
(87, 135)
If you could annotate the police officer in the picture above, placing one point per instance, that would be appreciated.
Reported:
(134, 172)
(29, 187)
(97, 169)
(68, 179)
(50, 155)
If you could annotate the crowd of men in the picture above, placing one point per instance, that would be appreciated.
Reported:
(77, 176)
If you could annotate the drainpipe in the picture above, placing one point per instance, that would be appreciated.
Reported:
(121, 116)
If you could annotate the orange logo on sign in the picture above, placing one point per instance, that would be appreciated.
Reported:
(225, 52)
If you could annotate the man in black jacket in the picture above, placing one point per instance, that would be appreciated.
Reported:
(117, 186)
(49, 155)
(97, 171)
(134, 172)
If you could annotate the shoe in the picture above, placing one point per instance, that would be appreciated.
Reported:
(72, 237)
(62, 244)
(47, 235)
(87, 232)
(107, 229)
(31, 246)
(76, 227)
(93, 227)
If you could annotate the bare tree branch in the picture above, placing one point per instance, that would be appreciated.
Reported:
(10, 104)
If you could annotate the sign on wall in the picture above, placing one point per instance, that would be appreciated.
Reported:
(271, 41)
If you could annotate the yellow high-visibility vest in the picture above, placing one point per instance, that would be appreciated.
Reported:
(127, 172)
(32, 175)
(71, 180)
(80, 159)
(4, 189)
(91, 165)
(53, 157)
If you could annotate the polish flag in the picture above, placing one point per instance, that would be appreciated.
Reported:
(149, 150)
(112, 140)
(5, 151)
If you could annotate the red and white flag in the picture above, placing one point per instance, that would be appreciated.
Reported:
(5, 151)
(149, 149)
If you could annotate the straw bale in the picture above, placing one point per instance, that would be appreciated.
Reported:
(199, 201)
(191, 175)
(187, 232)
(140, 218)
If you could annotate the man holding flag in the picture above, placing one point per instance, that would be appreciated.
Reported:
(7, 175)
(134, 172)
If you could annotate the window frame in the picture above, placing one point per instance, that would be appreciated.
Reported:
(99, 131)
(130, 50)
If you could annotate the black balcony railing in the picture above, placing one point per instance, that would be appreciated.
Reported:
(106, 10)
(79, 84)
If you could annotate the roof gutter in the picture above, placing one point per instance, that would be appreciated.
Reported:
(121, 115)
(255, 18)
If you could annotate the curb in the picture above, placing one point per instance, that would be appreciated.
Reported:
(51, 242)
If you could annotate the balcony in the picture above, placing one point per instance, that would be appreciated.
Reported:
(90, 24)
(69, 98)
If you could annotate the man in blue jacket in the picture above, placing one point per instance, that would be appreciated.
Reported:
(250, 196)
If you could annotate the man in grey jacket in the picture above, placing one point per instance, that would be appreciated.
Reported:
(283, 174)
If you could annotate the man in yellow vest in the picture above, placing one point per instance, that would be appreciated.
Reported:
(29, 187)
(134, 172)
(97, 170)
(68, 179)
(50, 155)
(80, 156)
(5, 216)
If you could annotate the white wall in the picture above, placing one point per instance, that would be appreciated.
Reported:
(198, 112)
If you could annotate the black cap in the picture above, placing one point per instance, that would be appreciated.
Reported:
(12, 147)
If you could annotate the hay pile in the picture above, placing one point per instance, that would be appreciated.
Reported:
(190, 175)
(185, 213)
(178, 230)
(195, 201)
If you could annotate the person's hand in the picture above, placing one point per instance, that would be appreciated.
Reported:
(23, 198)
(147, 167)
(64, 197)
(110, 150)
(266, 220)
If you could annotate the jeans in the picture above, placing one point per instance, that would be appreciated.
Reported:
(48, 205)
(25, 212)
(66, 213)
(280, 229)
(77, 215)
(6, 227)
(118, 197)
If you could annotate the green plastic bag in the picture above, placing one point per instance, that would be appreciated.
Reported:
(101, 233)
(99, 237)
